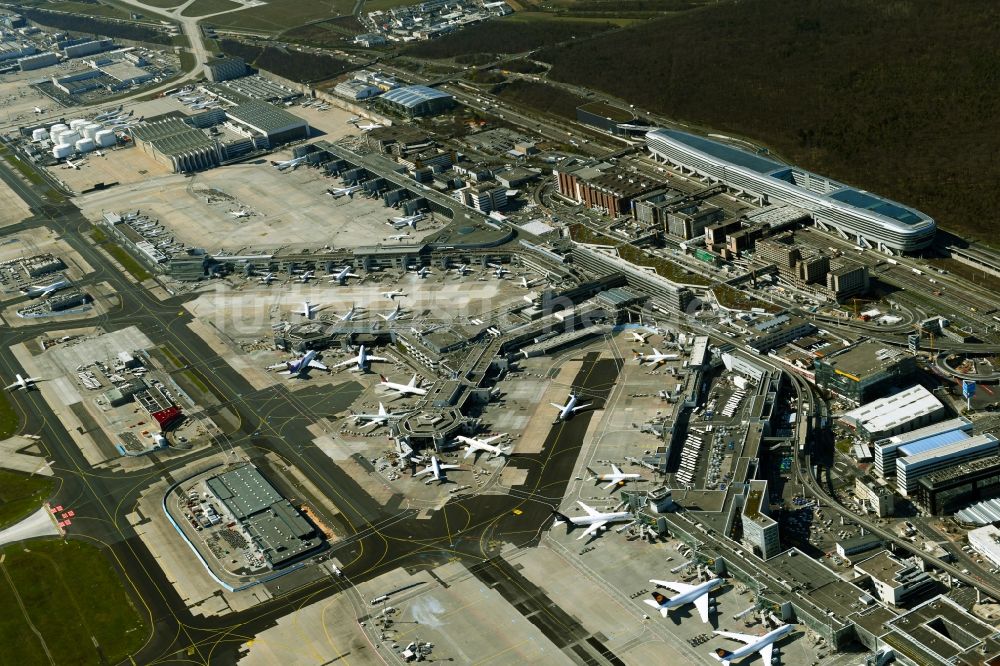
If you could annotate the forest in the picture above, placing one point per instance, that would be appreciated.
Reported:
(93, 26)
(897, 97)
(287, 63)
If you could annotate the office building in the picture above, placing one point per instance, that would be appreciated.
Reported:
(690, 221)
(484, 197)
(895, 581)
(863, 371)
(877, 498)
(895, 414)
(949, 490)
(760, 531)
(943, 433)
(847, 279)
(854, 212)
(857, 545)
(915, 462)
(986, 541)
(777, 331)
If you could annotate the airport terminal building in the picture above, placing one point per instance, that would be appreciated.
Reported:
(861, 215)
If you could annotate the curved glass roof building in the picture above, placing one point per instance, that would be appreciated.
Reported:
(855, 212)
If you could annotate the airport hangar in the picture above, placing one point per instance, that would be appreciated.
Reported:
(856, 213)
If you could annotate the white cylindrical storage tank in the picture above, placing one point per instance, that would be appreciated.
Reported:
(85, 145)
(56, 134)
(77, 123)
(105, 138)
(40, 134)
(58, 127)
(90, 129)
(62, 150)
(69, 137)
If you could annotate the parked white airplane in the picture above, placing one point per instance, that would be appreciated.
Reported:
(289, 164)
(498, 270)
(23, 383)
(381, 418)
(395, 314)
(422, 272)
(615, 477)
(70, 164)
(753, 644)
(594, 520)
(405, 221)
(296, 367)
(338, 192)
(107, 114)
(462, 269)
(640, 337)
(308, 310)
(656, 357)
(391, 295)
(526, 283)
(341, 277)
(353, 119)
(305, 277)
(366, 127)
(570, 408)
(686, 594)
(350, 314)
(399, 237)
(403, 389)
(361, 360)
(38, 109)
(266, 278)
(436, 470)
(475, 445)
(46, 290)
(240, 213)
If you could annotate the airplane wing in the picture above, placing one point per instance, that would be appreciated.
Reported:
(425, 470)
(349, 361)
(679, 588)
(444, 467)
(316, 364)
(14, 385)
(278, 366)
(469, 451)
(592, 528)
(579, 407)
(701, 603)
(765, 653)
(615, 469)
(559, 407)
(746, 639)
(591, 511)
(611, 484)
(377, 358)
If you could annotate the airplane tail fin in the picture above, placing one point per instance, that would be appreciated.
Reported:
(658, 602)
(722, 655)
(562, 518)
(384, 380)
(594, 475)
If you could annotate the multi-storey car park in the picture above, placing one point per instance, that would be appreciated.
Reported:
(867, 217)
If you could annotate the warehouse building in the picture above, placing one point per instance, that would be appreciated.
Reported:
(916, 461)
(946, 432)
(260, 119)
(88, 48)
(413, 101)
(986, 541)
(175, 143)
(224, 69)
(863, 371)
(356, 90)
(37, 61)
(276, 527)
(895, 414)
(948, 490)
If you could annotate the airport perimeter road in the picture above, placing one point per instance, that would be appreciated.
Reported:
(379, 538)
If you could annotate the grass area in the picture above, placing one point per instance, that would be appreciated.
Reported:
(97, 235)
(292, 64)
(21, 495)
(730, 297)
(128, 262)
(23, 167)
(85, 8)
(663, 267)
(844, 445)
(374, 5)
(163, 4)
(192, 377)
(203, 7)
(70, 593)
(8, 418)
(333, 33)
(842, 87)
(279, 15)
(171, 357)
(583, 234)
